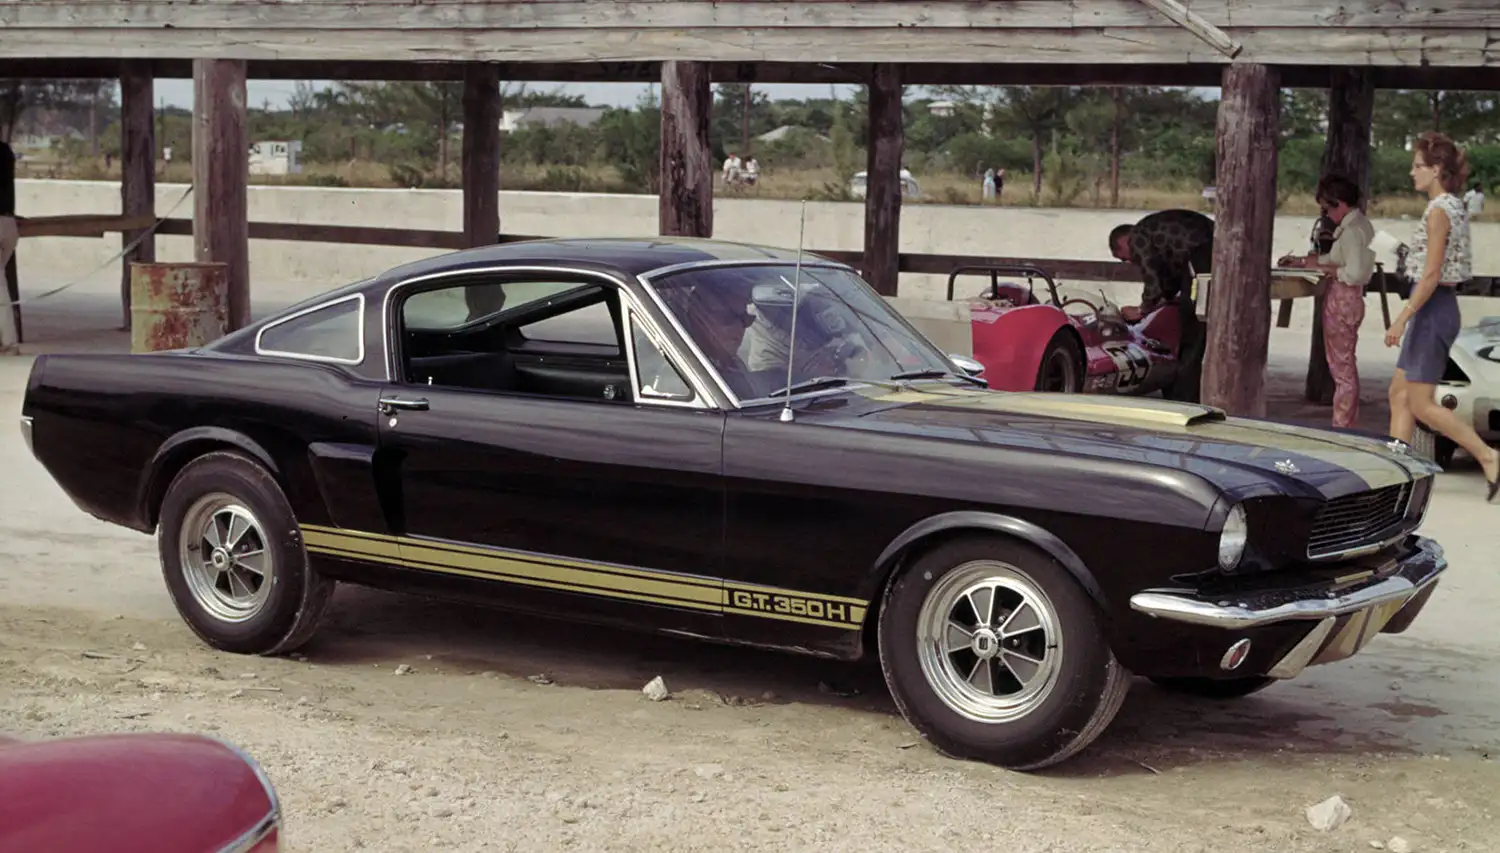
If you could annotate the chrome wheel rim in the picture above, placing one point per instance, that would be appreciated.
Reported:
(225, 559)
(988, 642)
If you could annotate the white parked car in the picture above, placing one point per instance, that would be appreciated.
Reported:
(1470, 387)
(860, 181)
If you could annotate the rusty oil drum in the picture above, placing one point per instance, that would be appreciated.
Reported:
(177, 305)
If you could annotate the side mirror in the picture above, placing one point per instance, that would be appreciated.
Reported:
(966, 364)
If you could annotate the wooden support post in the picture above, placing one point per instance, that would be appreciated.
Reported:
(11, 333)
(1239, 321)
(685, 203)
(1351, 109)
(137, 168)
(221, 177)
(882, 255)
(481, 154)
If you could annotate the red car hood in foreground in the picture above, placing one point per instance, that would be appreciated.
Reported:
(162, 793)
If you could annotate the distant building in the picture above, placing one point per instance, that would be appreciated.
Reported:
(276, 157)
(513, 120)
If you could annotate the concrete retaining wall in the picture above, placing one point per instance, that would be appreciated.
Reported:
(1012, 231)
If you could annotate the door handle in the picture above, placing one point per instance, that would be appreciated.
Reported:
(389, 405)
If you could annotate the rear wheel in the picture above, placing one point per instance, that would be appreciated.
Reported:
(233, 561)
(1061, 368)
(993, 652)
(1215, 688)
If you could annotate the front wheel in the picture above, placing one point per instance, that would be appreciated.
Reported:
(233, 561)
(1061, 368)
(993, 652)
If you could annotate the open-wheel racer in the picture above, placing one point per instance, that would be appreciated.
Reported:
(1069, 344)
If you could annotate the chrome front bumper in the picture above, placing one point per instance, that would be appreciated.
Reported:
(1347, 615)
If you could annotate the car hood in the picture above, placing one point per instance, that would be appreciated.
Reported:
(1242, 455)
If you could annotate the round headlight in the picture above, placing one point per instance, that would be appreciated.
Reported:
(1232, 539)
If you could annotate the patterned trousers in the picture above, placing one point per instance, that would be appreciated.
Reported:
(1343, 312)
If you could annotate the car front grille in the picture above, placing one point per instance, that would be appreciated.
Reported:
(1355, 521)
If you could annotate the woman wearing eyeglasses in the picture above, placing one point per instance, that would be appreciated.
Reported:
(1429, 324)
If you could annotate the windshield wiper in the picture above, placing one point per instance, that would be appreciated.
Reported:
(816, 384)
(937, 373)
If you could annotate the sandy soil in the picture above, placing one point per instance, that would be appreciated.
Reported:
(518, 734)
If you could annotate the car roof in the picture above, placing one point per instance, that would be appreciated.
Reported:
(631, 255)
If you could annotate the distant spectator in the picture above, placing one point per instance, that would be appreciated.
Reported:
(989, 182)
(1474, 200)
(732, 167)
(752, 171)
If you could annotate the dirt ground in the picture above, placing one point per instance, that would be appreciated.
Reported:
(518, 734)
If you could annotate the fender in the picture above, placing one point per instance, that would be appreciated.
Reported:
(1010, 347)
(1019, 528)
(174, 449)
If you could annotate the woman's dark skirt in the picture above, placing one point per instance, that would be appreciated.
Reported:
(1429, 335)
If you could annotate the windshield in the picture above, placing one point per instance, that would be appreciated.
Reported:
(740, 317)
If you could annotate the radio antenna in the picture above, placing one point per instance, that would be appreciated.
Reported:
(791, 350)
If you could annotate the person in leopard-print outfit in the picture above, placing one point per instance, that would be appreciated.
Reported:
(1169, 247)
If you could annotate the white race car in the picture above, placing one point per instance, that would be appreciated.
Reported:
(1470, 387)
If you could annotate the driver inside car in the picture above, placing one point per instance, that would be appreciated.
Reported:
(717, 317)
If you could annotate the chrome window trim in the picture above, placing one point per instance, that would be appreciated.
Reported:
(720, 263)
(629, 304)
(311, 309)
(631, 316)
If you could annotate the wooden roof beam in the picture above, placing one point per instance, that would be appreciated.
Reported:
(1197, 25)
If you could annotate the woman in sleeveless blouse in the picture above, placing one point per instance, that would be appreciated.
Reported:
(1429, 323)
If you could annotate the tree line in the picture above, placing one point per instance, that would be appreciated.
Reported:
(1057, 144)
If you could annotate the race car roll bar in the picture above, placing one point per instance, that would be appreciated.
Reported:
(996, 270)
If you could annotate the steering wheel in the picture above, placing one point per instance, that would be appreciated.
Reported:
(834, 358)
(1091, 306)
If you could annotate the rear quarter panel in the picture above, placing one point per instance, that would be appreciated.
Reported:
(1009, 343)
(113, 429)
(163, 793)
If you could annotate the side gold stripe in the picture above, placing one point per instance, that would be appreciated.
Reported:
(525, 581)
(593, 579)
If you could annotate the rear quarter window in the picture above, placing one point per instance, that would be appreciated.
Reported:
(333, 331)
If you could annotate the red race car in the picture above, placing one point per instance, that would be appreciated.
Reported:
(1028, 344)
(157, 792)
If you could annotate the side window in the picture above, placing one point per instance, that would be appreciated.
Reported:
(519, 336)
(590, 325)
(656, 377)
(332, 332)
(452, 307)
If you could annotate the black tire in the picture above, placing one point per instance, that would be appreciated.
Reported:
(1430, 445)
(1061, 368)
(1080, 687)
(1215, 688)
(286, 606)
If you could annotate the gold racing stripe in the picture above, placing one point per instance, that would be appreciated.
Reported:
(600, 579)
(1371, 464)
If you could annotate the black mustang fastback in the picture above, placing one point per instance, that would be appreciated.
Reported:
(734, 443)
